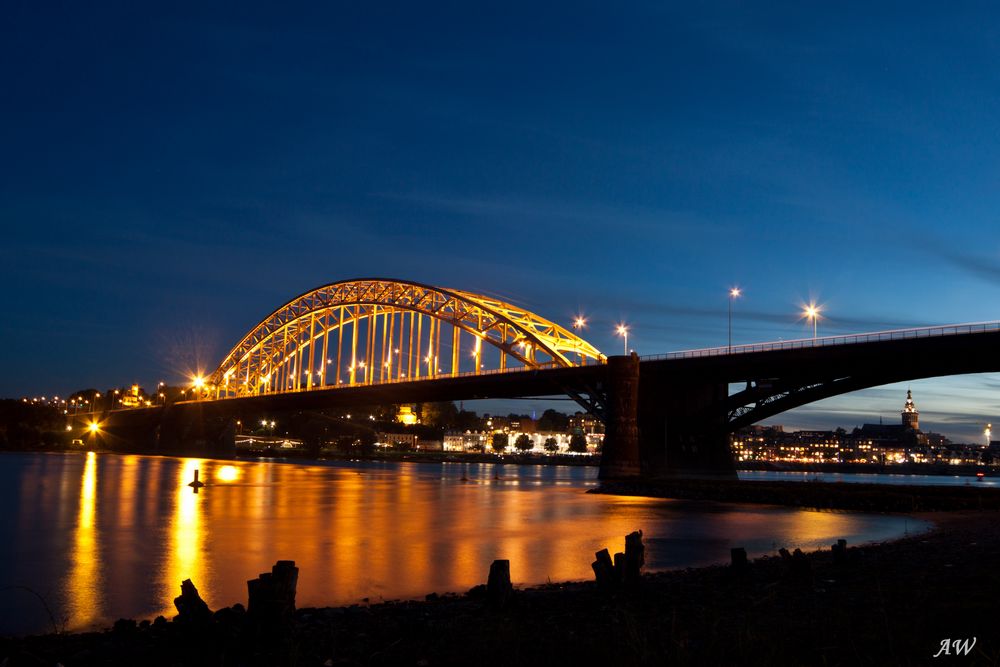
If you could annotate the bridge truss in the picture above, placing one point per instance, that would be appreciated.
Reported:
(362, 332)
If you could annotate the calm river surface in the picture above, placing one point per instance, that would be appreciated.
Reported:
(104, 536)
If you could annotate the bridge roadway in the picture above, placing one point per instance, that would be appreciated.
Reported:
(665, 415)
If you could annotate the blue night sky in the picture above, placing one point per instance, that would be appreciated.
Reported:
(169, 176)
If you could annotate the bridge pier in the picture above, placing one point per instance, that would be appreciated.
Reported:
(684, 431)
(662, 426)
(620, 455)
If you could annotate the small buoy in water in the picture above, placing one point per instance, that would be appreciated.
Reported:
(196, 484)
(464, 479)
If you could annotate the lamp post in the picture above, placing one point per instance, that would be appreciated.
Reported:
(578, 324)
(622, 331)
(734, 293)
(812, 313)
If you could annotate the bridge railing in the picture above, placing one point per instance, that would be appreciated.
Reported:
(825, 341)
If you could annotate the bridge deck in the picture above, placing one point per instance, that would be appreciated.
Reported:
(826, 341)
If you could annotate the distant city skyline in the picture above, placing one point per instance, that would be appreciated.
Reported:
(170, 176)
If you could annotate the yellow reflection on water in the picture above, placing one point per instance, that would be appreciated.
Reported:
(227, 474)
(184, 555)
(129, 478)
(83, 586)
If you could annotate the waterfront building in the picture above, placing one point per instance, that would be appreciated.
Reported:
(406, 416)
(481, 441)
(882, 444)
(585, 423)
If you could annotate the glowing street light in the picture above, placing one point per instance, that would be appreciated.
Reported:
(734, 294)
(811, 312)
(988, 433)
(622, 331)
(579, 323)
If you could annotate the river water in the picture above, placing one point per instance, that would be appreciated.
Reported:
(88, 538)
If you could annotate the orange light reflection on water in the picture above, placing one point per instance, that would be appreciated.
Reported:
(84, 582)
(375, 531)
(185, 552)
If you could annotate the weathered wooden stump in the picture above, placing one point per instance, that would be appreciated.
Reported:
(271, 596)
(604, 571)
(619, 567)
(635, 558)
(191, 609)
(498, 586)
(626, 569)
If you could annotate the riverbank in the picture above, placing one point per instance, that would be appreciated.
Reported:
(891, 603)
(815, 494)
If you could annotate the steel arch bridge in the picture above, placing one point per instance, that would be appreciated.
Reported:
(376, 330)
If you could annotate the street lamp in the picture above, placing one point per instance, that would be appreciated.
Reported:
(811, 312)
(734, 293)
(578, 324)
(622, 331)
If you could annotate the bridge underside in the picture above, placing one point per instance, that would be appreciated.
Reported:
(686, 413)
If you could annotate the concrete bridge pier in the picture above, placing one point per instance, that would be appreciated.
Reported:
(660, 425)
(620, 455)
(684, 428)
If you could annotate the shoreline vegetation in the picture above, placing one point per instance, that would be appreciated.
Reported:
(888, 603)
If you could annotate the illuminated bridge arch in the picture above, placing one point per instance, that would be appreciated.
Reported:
(378, 330)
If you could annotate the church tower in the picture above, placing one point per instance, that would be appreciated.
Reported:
(911, 418)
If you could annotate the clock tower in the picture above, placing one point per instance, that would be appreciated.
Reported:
(911, 418)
